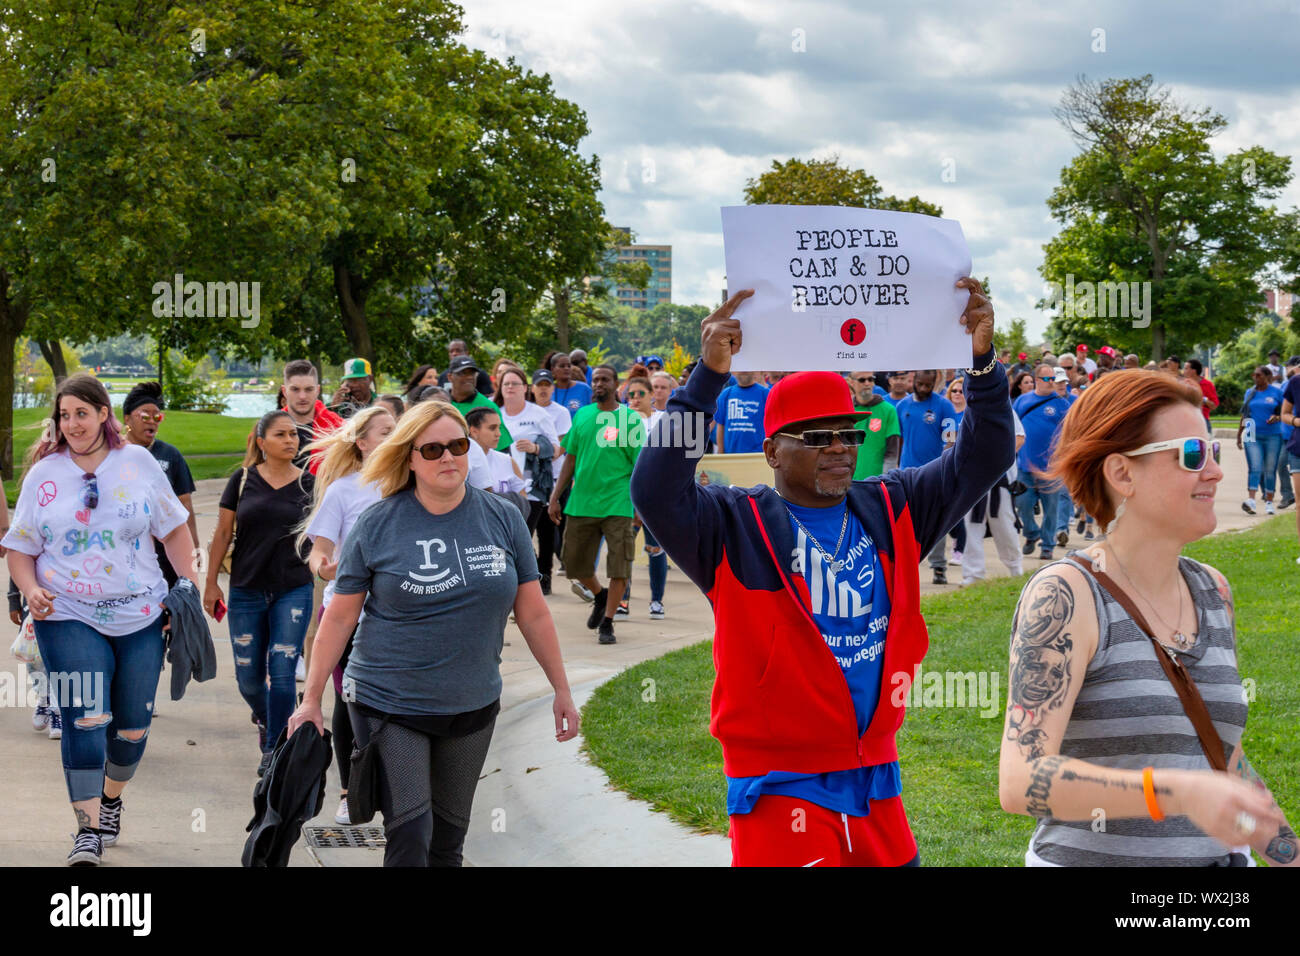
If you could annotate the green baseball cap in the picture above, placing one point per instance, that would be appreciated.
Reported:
(356, 368)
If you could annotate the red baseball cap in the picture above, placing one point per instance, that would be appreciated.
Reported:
(1107, 350)
(1082, 348)
(807, 395)
(1022, 356)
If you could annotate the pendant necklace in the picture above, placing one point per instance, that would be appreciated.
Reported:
(1182, 640)
(835, 566)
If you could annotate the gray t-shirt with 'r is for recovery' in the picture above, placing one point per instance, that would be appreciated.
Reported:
(440, 588)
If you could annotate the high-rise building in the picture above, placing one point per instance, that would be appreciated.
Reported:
(1276, 300)
(659, 288)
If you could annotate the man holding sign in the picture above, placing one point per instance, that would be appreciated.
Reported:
(816, 595)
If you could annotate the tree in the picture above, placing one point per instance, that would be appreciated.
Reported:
(586, 296)
(1147, 202)
(827, 182)
(1013, 338)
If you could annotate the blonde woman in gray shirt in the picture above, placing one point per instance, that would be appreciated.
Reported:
(438, 566)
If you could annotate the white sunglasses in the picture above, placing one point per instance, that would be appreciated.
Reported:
(1194, 452)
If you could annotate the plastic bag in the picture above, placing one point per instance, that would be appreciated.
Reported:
(25, 647)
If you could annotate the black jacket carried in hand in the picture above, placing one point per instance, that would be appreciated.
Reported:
(190, 650)
(291, 793)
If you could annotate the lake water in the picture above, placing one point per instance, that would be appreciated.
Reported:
(250, 405)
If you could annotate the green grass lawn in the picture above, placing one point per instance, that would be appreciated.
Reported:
(212, 444)
(660, 750)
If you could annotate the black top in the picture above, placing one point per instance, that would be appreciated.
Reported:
(172, 462)
(265, 523)
(306, 435)
(483, 382)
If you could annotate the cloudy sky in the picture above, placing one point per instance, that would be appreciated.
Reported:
(687, 100)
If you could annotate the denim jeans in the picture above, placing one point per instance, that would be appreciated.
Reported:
(1048, 492)
(266, 631)
(658, 567)
(1261, 462)
(1064, 511)
(102, 685)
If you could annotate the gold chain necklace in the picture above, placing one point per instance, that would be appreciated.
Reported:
(1182, 640)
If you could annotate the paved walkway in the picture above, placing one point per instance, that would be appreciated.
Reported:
(539, 802)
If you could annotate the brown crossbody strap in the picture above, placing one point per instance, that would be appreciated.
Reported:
(1193, 703)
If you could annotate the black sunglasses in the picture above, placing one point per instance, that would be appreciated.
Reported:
(825, 437)
(89, 491)
(434, 450)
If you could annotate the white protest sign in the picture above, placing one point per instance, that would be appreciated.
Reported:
(840, 288)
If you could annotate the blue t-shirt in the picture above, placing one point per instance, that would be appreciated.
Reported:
(893, 401)
(852, 610)
(1041, 427)
(1260, 406)
(1291, 392)
(740, 416)
(573, 397)
(924, 425)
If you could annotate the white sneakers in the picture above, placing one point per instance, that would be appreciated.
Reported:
(1248, 506)
(300, 670)
(656, 611)
(1269, 509)
(341, 816)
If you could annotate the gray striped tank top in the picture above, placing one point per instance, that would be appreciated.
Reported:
(1128, 716)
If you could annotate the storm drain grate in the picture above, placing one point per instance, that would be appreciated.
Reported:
(343, 837)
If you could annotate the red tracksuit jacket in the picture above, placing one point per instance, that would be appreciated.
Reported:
(780, 701)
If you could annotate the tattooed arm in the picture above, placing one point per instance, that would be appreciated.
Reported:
(1277, 844)
(1054, 636)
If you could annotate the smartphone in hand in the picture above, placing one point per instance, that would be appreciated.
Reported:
(219, 610)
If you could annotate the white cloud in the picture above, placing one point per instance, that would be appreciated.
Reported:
(711, 92)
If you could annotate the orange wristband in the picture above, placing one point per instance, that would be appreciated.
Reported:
(1149, 791)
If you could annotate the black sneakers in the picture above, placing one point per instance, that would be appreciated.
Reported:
(940, 577)
(87, 848)
(265, 765)
(606, 631)
(1028, 549)
(110, 819)
(546, 584)
(597, 609)
(1063, 538)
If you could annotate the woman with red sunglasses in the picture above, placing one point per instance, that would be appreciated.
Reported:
(438, 565)
(1125, 702)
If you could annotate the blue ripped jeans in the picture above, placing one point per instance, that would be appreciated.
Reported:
(102, 686)
(266, 631)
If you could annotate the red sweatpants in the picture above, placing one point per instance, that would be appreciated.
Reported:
(785, 831)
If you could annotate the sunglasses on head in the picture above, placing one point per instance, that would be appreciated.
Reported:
(824, 437)
(434, 450)
(1193, 453)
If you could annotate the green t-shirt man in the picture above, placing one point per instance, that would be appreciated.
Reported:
(482, 401)
(880, 423)
(604, 446)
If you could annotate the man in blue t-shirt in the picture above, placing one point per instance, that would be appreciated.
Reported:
(850, 603)
(1041, 412)
(739, 415)
(929, 424)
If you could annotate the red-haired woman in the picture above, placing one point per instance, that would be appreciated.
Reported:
(1096, 723)
(80, 550)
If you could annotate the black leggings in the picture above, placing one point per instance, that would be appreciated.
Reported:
(549, 534)
(426, 789)
(341, 726)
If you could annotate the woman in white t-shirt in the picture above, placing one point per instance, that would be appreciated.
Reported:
(339, 497)
(80, 549)
(548, 532)
(526, 422)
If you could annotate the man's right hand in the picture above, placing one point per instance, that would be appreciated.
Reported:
(720, 334)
